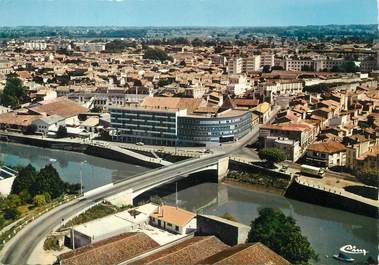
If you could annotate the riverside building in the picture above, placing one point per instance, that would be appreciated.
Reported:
(155, 123)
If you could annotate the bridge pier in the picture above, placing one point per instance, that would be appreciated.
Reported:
(222, 168)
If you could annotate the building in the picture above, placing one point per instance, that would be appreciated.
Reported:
(50, 123)
(300, 132)
(326, 154)
(111, 251)
(238, 85)
(153, 126)
(35, 46)
(5, 68)
(173, 219)
(257, 254)
(356, 146)
(227, 126)
(268, 91)
(251, 64)
(290, 147)
(369, 159)
(112, 225)
(229, 232)
(267, 59)
(189, 252)
(18, 121)
(376, 49)
(299, 64)
(91, 124)
(235, 66)
(173, 121)
(263, 111)
(218, 59)
(63, 107)
(90, 47)
(152, 122)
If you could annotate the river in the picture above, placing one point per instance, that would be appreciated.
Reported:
(96, 171)
(327, 229)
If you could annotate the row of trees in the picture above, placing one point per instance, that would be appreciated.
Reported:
(369, 176)
(119, 45)
(272, 156)
(32, 188)
(157, 54)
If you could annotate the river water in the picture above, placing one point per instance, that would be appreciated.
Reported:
(96, 171)
(327, 229)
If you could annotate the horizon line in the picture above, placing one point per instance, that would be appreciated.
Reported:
(191, 26)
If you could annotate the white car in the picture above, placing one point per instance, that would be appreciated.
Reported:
(140, 143)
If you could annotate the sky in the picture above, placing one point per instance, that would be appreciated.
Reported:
(186, 12)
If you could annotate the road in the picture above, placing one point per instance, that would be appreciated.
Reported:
(18, 250)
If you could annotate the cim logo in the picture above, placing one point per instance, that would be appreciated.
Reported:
(349, 249)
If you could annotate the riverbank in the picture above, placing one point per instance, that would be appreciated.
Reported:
(253, 187)
(257, 181)
(107, 151)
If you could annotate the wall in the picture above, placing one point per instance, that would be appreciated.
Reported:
(77, 147)
(320, 197)
(228, 233)
(6, 186)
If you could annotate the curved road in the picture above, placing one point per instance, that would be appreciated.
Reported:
(18, 250)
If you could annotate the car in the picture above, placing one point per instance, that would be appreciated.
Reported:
(140, 143)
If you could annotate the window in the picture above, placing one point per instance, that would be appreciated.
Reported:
(177, 228)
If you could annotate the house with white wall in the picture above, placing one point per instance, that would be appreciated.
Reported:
(173, 219)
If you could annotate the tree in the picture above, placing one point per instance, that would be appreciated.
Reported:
(219, 49)
(47, 197)
(157, 55)
(2, 220)
(14, 93)
(229, 217)
(307, 68)
(369, 176)
(11, 214)
(25, 196)
(346, 67)
(266, 69)
(39, 200)
(31, 129)
(62, 132)
(349, 67)
(13, 201)
(26, 177)
(48, 180)
(197, 42)
(164, 82)
(281, 234)
(272, 155)
(72, 188)
(119, 45)
(277, 67)
(183, 63)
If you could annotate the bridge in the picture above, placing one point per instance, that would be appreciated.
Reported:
(22, 245)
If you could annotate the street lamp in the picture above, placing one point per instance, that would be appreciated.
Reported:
(81, 176)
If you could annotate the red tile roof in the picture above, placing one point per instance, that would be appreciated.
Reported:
(110, 251)
(327, 147)
(246, 254)
(190, 251)
(61, 106)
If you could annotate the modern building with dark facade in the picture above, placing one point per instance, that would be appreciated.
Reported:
(227, 126)
(145, 125)
(161, 125)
